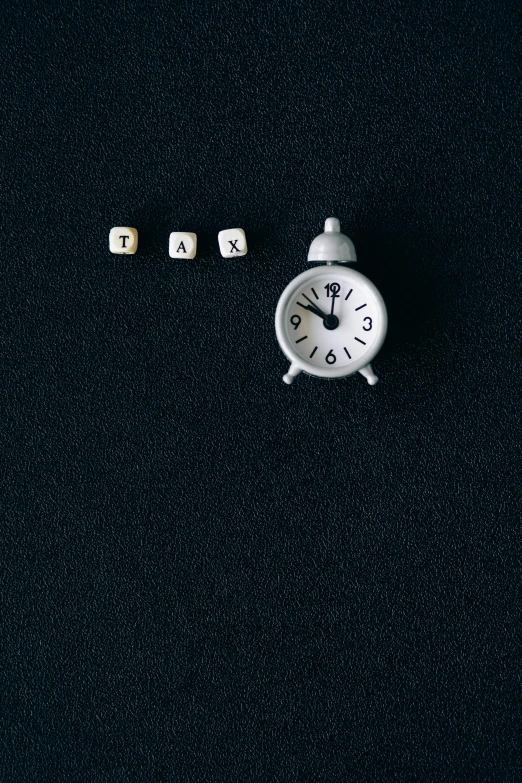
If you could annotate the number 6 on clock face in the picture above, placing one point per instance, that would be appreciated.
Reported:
(330, 322)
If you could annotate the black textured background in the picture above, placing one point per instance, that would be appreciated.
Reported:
(207, 575)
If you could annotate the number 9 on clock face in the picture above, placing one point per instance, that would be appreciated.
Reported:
(331, 321)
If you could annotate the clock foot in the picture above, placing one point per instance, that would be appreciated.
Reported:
(291, 374)
(369, 374)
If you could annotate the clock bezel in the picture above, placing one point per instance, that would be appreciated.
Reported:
(349, 274)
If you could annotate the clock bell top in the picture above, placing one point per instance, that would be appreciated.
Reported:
(332, 246)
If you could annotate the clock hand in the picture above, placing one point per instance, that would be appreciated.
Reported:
(314, 308)
(330, 321)
(334, 290)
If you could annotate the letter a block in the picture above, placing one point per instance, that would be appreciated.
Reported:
(232, 242)
(123, 240)
(182, 244)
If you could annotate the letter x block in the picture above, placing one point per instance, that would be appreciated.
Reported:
(182, 244)
(232, 243)
(123, 240)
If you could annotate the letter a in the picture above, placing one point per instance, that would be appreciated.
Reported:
(181, 245)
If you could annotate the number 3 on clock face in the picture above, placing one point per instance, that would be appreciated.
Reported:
(331, 321)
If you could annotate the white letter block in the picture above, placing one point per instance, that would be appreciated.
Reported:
(123, 240)
(182, 244)
(232, 243)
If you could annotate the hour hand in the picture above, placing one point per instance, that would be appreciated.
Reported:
(313, 308)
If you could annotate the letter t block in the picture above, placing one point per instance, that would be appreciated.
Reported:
(123, 240)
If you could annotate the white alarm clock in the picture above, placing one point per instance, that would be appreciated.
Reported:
(331, 321)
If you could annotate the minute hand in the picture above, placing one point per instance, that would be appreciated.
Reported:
(329, 321)
(314, 309)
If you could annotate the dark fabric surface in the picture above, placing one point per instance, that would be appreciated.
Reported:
(208, 575)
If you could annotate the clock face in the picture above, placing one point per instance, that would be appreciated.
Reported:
(331, 320)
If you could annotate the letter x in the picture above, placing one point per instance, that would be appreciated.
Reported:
(234, 242)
